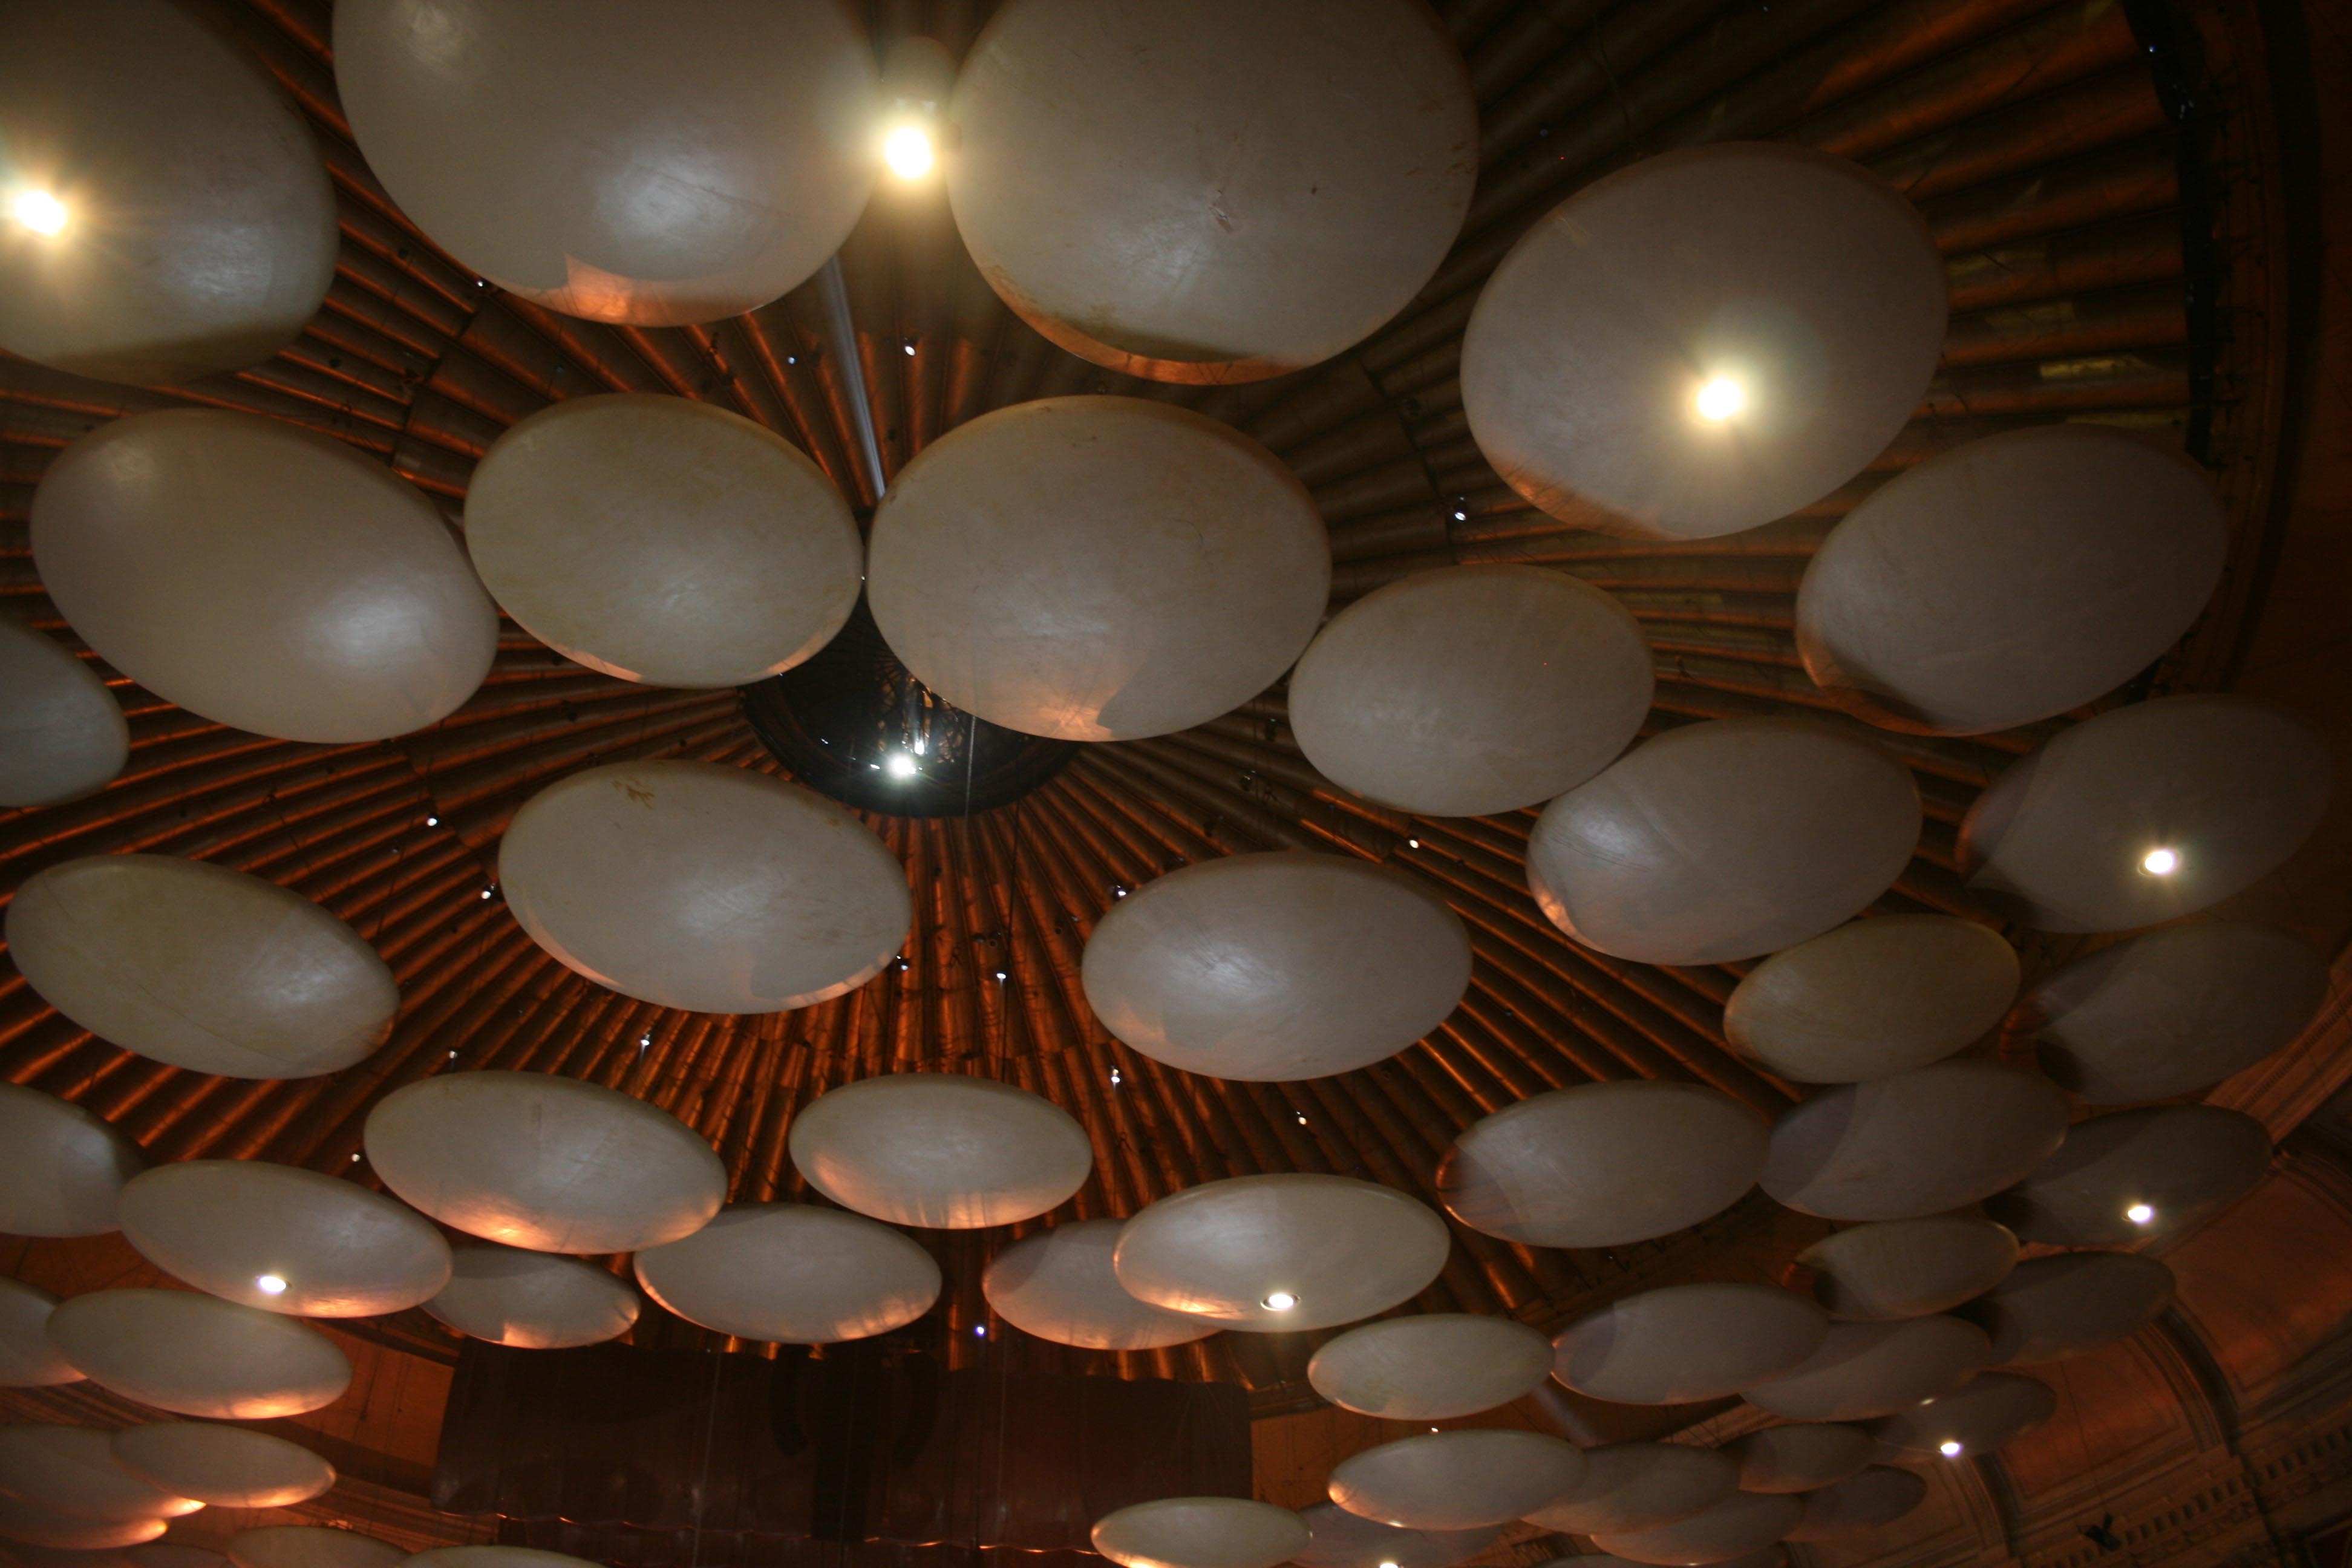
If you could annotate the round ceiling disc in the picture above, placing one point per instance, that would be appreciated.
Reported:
(1724, 839)
(1639, 1486)
(27, 1360)
(1678, 1344)
(663, 541)
(1875, 1369)
(1098, 568)
(1338, 1539)
(1058, 1285)
(201, 966)
(1216, 194)
(1472, 691)
(1742, 1523)
(311, 1546)
(793, 1273)
(1799, 1458)
(704, 887)
(1200, 1533)
(2174, 1010)
(626, 167)
(70, 1470)
(1275, 967)
(197, 1355)
(1908, 1268)
(64, 1167)
(1460, 1479)
(2226, 787)
(200, 232)
(62, 734)
(2052, 1307)
(941, 1149)
(35, 1526)
(1979, 1416)
(532, 1301)
(262, 576)
(172, 1554)
(330, 1247)
(1879, 1495)
(550, 1163)
(1704, 342)
(2010, 579)
(1873, 997)
(1915, 1143)
(1602, 1164)
(2134, 1173)
(496, 1557)
(1325, 1250)
(227, 1466)
(1430, 1367)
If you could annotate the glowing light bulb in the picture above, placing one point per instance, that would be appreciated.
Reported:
(1279, 1301)
(1387, 1565)
(39, 211)
(2160, 862)
(270, 1284)
(2140, 1214)
(1719, 398)
(908, 151)
(1949, 1447)
(899, 765)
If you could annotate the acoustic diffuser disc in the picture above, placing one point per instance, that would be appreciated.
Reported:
(1058, 1284)
(941, 1149)
(1873, 997)
(1976, 1419)
(1741, 1523)
(27, 1360)
(226, 1467)
(198, 1355)
(1199, 1533)
(1459, 1480)
(1639, 1486)
(62, 734)
(1677, 1345)
(1276, 966)
(1907, 1268)
(793, 1273)
(2134, 1173)
(1879, 1495)
(1875, 1369)
(1799, 1458)
(1338, 1539)
(2051, 1307)
(311, 1546)
(32, 1525)
(71, 1471)
(1914, 1143)
(1704, 342)
(65, 1167)
(532, 1301)
(1430, 1366)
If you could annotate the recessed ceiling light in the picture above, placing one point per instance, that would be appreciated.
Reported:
(899, 765)
(2160, 862)
(1719, 398)
(270, 1284)
(1949, 1447)
(2140, 1214)
(907, 150)
(1279, 1301)
(39, 211)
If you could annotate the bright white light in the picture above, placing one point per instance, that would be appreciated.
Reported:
(1412, 843)
(485, 892)
(2140, 1214)
(980, 1330)
(2160, 862)
(1279, 1301)
(908, 151)
(39, 211)
(270, 1284)
(1387, 1565)
(1719, 399)
(432, 822)
(1949, 1447)
(899, 765)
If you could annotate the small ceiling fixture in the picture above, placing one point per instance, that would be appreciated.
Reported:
(2140, 1214)
(39, 211)
(1719, 397)
(2160, 862)
(270, 1284)
(1279, 1301)
(899, 765)
(1949, 1447)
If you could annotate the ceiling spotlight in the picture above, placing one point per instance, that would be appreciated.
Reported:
(1279, 1301)
(899, 765)
(907, 150)
(39, 211)
(980, 1330)
(2160, 862)
(2140, 1214)
(1949, 1447)
(1115, 1079)
(1389, 1564)
(485, 892)
(1412, 843)
(1719, 398)
(270, 1284)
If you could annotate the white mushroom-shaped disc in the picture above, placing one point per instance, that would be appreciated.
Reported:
(2052, 1307)
(1430, 1367)
(34, 1525)
(65, 1167)
(626, 167)
(27, 1360)
(532, 1301)
(1987, 1411)
(1724, 839)
(1215, 193)
(1472, 691)
(1059, 1285)
(173, 1555)
(1274, 1253)
(198, 1355)
(1275, 967)
(62, 734)
(704, 887)
(2134, 1173)
(262, 576)
(1907, 1268)
(1876, 1369)
(2174, 1010)
(195, 227)
(1704, 342)
(1200, 1533)
(793, 1273)
(1879, 1495)
(1098, 568)
(72, 1471)
(662, 540)
(2010, 579)
(1338, 1539)
(546, 1163)
(1916, 1143)
(201, 966)
(1741, 1523)
(2147, 813)
(1456, 1481)
(496, 1557)
(311, 1546)
(1638, 1485)
(1678, 1344)
(228, 1467)
(284, 1239)
(1603, 1164)
(1873, 997)
(1799, 1458)
(941, 1149)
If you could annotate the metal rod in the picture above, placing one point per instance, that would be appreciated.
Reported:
(841, 342)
